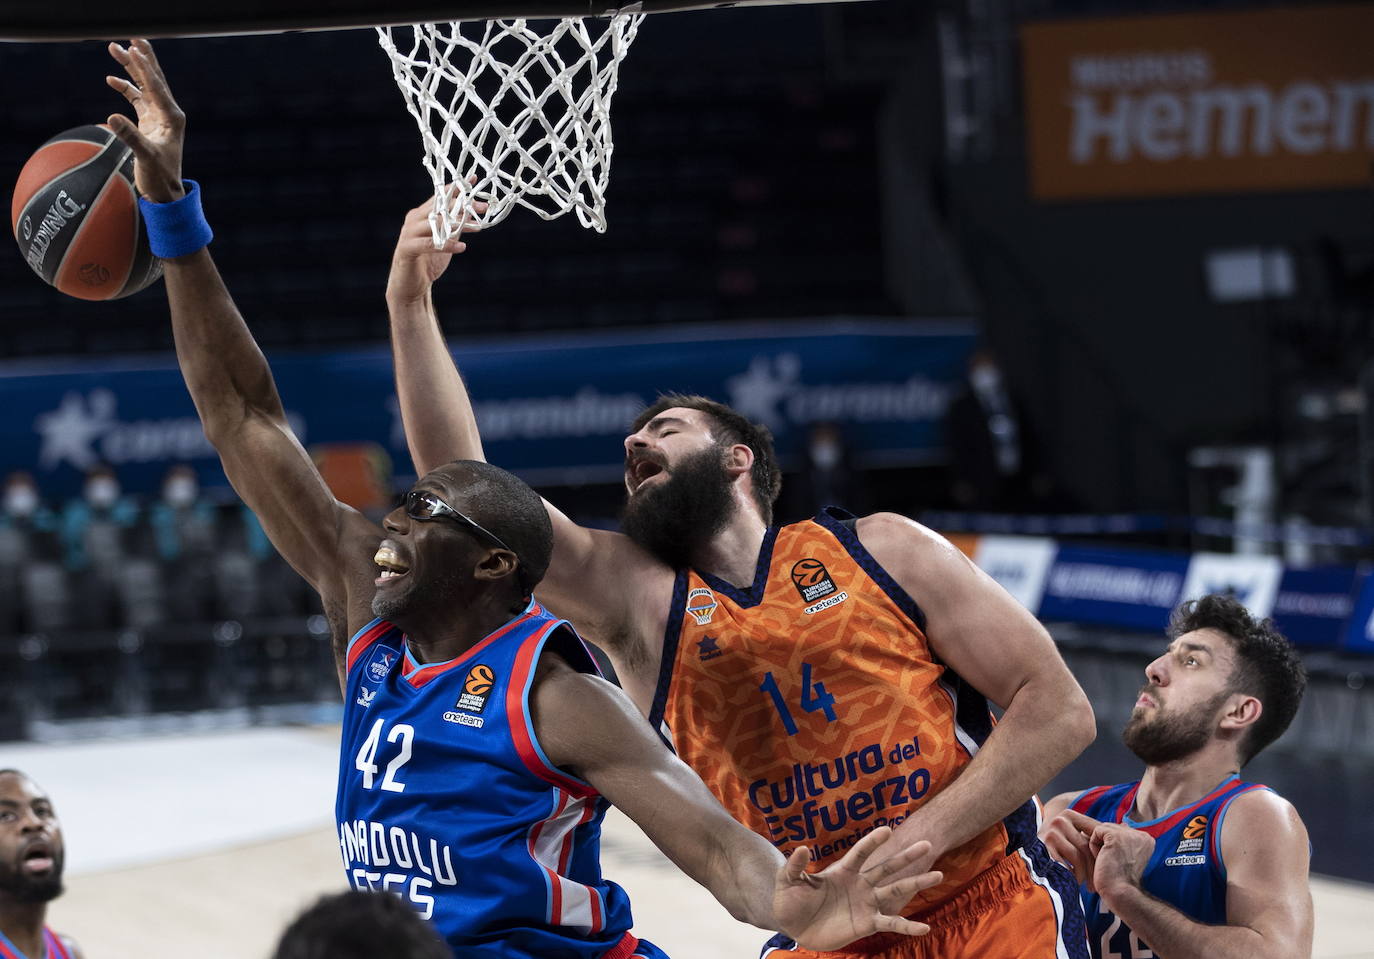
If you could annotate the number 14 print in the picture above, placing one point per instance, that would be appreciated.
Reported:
(814, 698)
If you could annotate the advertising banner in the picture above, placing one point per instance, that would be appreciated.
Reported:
(552, 409)
(1313, 606)
(1135, 589)
(1255, 100)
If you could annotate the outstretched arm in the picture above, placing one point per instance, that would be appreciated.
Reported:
(995, 645)
(593, 574)
(590, 728)
(438, 418)
(229, 379)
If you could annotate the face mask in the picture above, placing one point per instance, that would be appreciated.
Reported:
(825, 454)
(102, 492)
(21, 500)
(180, 491)
(985, 378)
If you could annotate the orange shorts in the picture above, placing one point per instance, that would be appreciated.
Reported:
(1025, 907)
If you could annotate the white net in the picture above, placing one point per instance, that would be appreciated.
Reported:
(513, 112)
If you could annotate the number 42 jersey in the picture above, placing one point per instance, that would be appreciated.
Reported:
(446, 799)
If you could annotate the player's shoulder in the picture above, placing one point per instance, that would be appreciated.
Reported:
(892, 538)
(1260, 812)
(73, 950)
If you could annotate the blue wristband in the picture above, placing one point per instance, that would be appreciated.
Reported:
(177, 228)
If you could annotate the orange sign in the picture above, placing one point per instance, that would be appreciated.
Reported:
(1201, 103)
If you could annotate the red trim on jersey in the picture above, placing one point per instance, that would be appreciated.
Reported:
(519, 725)
(1126, 803)
(598, 920)
(425, 674)
(555, 890)
(1214, 827)
(1163, 826)
(5, 953)
(364, 642)
(55, 942)
(1084, 802)
(623, 949)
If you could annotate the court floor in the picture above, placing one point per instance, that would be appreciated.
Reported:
(207, 844)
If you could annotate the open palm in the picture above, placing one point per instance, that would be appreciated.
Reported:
(158, 136)
(850, 899)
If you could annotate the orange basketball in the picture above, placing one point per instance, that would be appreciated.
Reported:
(808, 572)
(479, 680)
(76, 219)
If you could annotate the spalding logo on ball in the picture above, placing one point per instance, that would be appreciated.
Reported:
(76, 219)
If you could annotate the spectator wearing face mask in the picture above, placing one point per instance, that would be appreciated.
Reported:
(991, 450)
(24, 519)
(828, 477)
(182, 522)
(96, 525)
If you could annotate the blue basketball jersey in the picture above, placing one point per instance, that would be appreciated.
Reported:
(1186, 869)
(446, 799)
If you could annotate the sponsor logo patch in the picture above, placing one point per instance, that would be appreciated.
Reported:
(476, 689)
(701, 603)
(812, 580)
(380, 663)
(365, 697)
(826, 603)
(1185, 860)
(1194, 834)
(463, 719)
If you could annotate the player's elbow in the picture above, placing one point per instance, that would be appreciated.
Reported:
(1078, 720)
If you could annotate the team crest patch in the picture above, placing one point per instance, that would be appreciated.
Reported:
(812, 580)
(380, 663)
(701, 603)
(1194, 834)
(476, 689)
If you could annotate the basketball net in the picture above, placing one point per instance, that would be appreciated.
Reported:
(513, 114)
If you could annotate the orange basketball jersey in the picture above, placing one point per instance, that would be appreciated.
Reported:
(812, 706)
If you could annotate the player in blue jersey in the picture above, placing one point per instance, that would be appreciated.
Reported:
(479, 748)
(31, 858)
(1190, 862)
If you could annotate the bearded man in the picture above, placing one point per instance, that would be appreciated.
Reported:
(1190, 862)
(31, 860)
(824, 678)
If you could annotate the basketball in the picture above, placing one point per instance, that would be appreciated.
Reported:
(76, 219)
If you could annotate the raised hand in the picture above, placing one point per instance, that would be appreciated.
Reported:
(851, 899)
(1068, 838)
(161, 129)
(416, 265)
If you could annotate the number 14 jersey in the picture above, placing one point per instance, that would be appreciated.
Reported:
(812, 705)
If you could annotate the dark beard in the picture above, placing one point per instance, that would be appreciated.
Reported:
(1164, 739)
(24, 888)
(675, 519)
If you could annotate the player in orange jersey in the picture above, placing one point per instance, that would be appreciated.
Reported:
(824, 678)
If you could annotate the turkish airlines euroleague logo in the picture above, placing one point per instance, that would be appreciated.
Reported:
(812, 580)
(1194, 834)
(476, 689)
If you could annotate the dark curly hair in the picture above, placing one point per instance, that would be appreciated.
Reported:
(1267, 666)
(733, 428)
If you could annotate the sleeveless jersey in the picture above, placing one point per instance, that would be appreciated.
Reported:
(52, 944)
(446, 798)
(813, 707)
(1186, 869)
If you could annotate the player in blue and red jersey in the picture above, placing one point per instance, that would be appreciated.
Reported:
(479, 747)
(1191, 862)
(31, 858)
